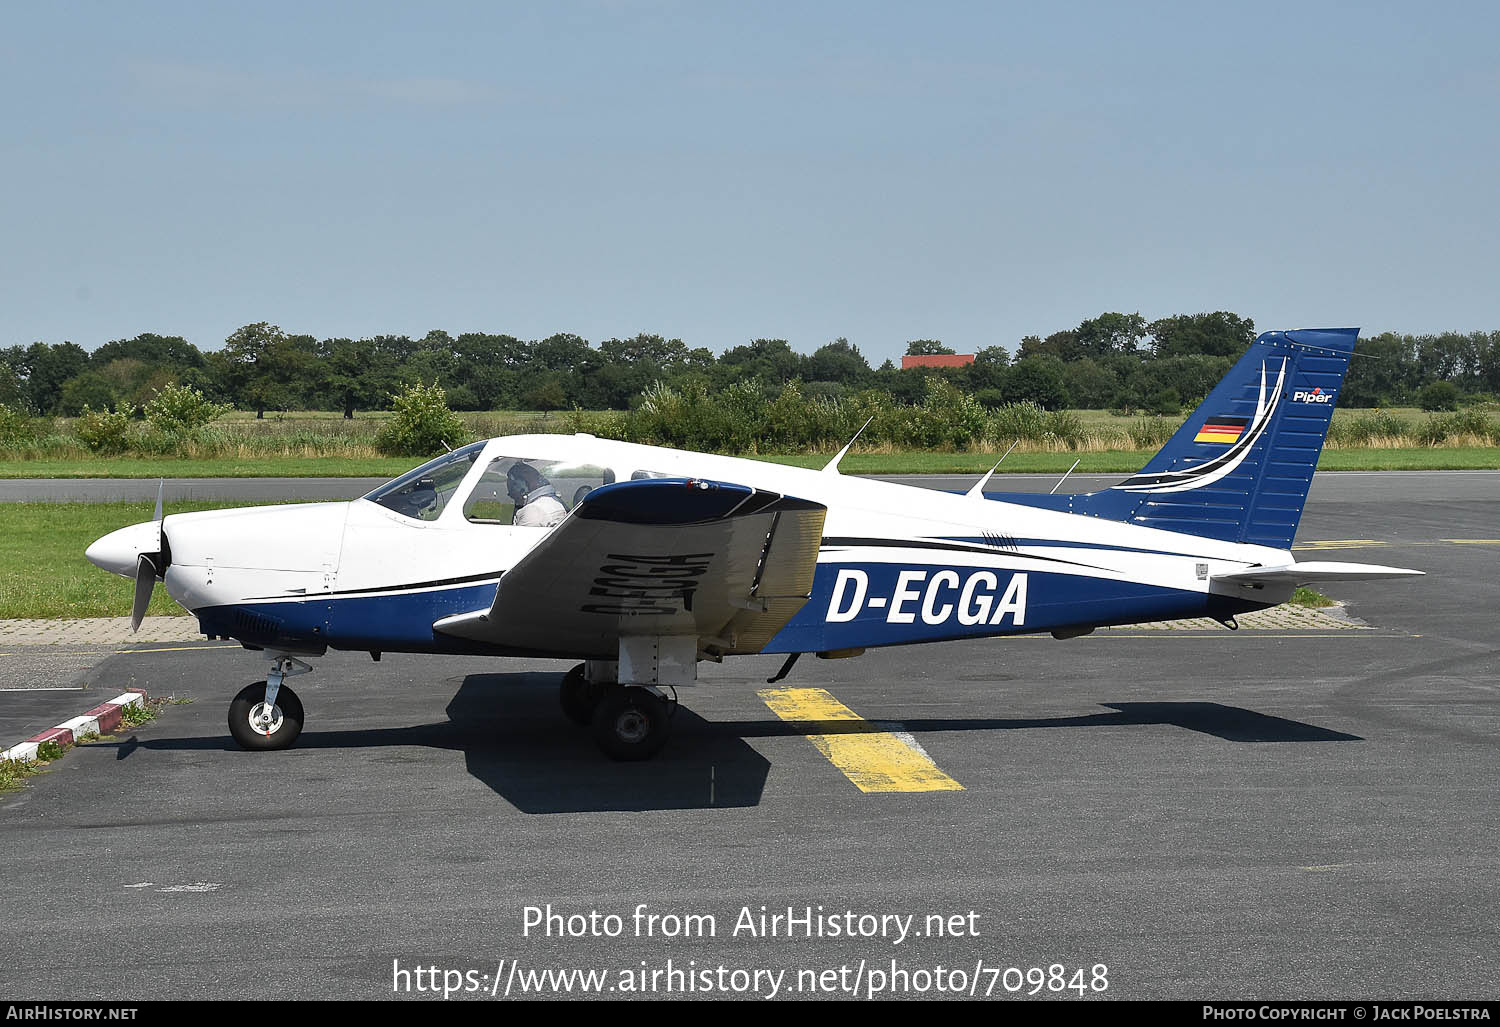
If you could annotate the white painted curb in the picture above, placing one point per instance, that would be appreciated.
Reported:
(102, 719)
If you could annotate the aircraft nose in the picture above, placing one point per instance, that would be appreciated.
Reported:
(117, 551)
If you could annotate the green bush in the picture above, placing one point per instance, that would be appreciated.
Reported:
(742, 419)
(681, 419)
(1365, 429)
(948, 417)
(825, 391)
(790, 420)
(1471, 422)
(874, 406)
(1066, 426)
(1439, 396)
(177, 412)
(1153, 432)
(1439, 429)
(422, 423)
(103, 432)
(16, 429)
(1018, 422)
(1435, 431)
(739, 417)
(613, 424)
(1389, 425)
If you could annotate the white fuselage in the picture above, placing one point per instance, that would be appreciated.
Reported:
(299, 554)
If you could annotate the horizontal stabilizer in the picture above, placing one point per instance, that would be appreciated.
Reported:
(1313, 572)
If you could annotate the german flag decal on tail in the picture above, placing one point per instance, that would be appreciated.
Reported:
(1222, 429)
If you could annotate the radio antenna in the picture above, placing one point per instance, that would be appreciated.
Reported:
(1065, 477)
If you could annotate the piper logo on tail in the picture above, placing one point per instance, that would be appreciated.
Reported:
(934, 596)
(1314, 396)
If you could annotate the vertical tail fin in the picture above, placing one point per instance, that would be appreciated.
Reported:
(1240, 467)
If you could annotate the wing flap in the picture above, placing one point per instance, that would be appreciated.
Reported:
(783, 581)
(668, 556)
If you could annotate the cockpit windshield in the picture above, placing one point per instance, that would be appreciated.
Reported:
(424, 492)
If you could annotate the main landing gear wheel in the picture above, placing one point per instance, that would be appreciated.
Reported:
(257, 727)
(631, 723)
(579, 696)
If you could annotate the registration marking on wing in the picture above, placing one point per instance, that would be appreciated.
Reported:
(876, 760)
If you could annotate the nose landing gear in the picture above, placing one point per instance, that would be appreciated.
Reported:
(268, 715)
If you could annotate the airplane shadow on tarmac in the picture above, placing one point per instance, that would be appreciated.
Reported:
(516, 741)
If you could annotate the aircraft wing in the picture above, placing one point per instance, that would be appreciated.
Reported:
(665, 556)
(1312, 572)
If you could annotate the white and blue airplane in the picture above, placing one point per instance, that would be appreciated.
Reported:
(641, 561)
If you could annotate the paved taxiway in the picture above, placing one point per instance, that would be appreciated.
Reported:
(1250, 814)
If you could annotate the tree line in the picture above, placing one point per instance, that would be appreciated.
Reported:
(1115, 361)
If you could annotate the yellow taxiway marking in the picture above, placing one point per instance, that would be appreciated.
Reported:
(1341, 543)
(1473, 541)
(875, 760)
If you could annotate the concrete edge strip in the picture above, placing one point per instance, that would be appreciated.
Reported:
(102, 719)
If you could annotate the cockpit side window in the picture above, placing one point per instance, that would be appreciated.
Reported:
(531, 492)
(424, 492)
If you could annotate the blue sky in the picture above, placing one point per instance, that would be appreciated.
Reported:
(722, 172)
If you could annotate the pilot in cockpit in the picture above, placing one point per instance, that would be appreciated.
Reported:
(537, 505)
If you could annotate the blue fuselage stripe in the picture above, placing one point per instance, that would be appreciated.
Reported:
(853, 605)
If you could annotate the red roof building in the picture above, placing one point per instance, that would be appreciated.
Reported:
(938, 360)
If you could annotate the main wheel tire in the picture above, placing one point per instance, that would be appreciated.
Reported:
(578, 696)
(247, 722)
(630, 723)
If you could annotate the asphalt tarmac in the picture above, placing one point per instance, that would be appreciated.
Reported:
(1233, 815)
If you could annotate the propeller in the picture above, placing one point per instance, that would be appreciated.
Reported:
(145, 581)
(149, 568)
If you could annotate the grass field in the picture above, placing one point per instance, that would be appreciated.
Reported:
(1109, 461)
(172, 467)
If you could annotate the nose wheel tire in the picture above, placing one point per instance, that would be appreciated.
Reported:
(256, 727)
(631, 723)
(579, 697)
